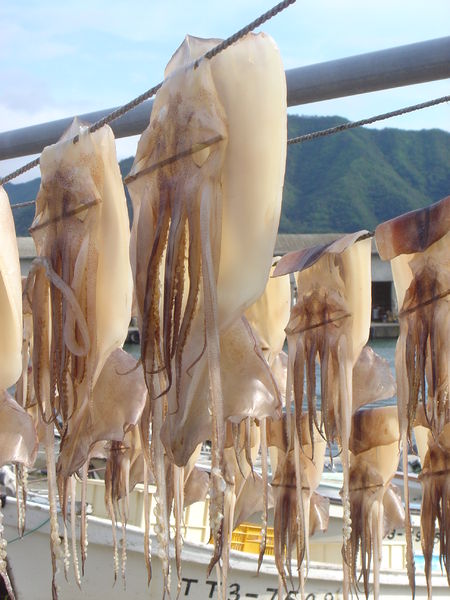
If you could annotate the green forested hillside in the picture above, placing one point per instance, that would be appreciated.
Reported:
(360, 177)
(344, 182)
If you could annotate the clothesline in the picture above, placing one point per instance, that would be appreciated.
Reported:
(344, 126)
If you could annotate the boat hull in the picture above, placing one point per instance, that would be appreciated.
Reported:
(30, 563)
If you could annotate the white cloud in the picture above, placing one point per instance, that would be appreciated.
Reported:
(63, 58)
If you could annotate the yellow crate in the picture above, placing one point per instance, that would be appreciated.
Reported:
(237, 546)
(249, 535)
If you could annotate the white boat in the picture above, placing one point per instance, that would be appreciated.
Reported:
(31, 567)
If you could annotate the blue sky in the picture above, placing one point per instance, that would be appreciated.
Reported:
(63, 58)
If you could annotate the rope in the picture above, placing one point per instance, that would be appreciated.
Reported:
(395, 113)
(256, 23)
(23, 204)
(152, 91)
(21, 171)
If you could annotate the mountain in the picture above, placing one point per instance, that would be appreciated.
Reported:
(343, 182)
(359, 178)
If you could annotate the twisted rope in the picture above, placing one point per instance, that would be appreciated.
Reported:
(119, 112)
(253, 25)
(395, 113)
(21, 171)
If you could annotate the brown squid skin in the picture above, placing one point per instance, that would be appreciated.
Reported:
(417, 244)
(294, 520)
(330, 323)
(374, 446)
(436, 505)
(435, 459)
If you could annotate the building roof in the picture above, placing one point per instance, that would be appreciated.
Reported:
(288, 242)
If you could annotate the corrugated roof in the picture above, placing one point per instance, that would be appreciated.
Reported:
(288, 242)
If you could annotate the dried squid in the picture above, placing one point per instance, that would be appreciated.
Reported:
(81, 289)
(10, 299)
(435, 460)
(375, 453)
(118, 399)
(10, 333)
(243, 490)
(436, 503)
(18, 438)
(206, 188)
(330, 322)
(295, 472)
(417, 244)
(269, 315)
(248, 390)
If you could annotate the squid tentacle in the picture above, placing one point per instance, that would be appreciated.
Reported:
(265, 484)
(3, 563)
(73, 515)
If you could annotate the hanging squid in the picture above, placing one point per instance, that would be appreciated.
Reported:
(330, 323)
(417, 245)
(18, 445)
(241, 449)
(10, 335)
(269, 315)
(81, 289)
(435, 460)
(375, 454)
(295, 518)
(375, 504)
(118, 399)
(117, 402)
(10, 299)
(18, 440)
(248, 390)
(372, 379)
(206, 188)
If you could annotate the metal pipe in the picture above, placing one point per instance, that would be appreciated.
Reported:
(371, 72)
(384, 69)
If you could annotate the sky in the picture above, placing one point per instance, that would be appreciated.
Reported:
(63, 58)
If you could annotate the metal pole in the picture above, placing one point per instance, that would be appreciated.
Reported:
(371, 72)
(394, 67)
